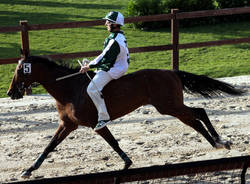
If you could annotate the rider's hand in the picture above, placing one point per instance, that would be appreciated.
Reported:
(84, 68)
(85, 61)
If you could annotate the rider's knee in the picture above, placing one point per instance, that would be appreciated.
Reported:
(91, 90)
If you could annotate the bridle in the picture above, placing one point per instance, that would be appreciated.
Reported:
(26, 67)
(26, 70)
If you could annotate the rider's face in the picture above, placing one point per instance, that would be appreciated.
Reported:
(108, 24)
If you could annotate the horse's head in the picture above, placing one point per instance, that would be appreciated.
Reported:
(22, 78)
(42, 70)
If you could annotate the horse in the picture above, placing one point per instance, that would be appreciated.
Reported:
(161, 88)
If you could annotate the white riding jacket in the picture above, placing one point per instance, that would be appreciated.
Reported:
(114, 58)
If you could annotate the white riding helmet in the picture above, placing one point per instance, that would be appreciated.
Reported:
(115, 17)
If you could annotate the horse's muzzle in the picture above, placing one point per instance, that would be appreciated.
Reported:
(15, 93)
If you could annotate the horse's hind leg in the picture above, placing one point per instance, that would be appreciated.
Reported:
(197, 125)
(109, 138)
(202, 115)
(188, 117)
(192, 117)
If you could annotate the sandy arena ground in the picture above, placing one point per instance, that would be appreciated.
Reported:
(27, 125)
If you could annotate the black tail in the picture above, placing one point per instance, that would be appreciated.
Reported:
(205, 86)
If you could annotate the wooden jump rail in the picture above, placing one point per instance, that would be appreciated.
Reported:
(174, 16)
(153, 172)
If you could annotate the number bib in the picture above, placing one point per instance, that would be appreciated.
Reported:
(27, 68)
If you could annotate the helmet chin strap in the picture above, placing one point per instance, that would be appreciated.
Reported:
(113, 27)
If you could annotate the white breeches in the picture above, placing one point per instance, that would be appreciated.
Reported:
(98, 82)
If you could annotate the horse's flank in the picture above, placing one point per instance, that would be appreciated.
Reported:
(121, 96)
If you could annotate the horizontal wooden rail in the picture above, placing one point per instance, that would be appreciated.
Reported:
(10, 29)
(151, 48)
(92, 53)
(161, 17)
(78, 24)
(209, 13)
(8, 60)
(150, 18)
(74, 55)
(140, 49)
(37, 27)
(95, 53)
(153, 172)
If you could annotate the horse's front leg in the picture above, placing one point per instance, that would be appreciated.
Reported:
(61, 133)
(106, 134)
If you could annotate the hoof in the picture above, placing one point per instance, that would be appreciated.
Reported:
(26, 174)
(223, 144)
(228, 145)
(219, 146)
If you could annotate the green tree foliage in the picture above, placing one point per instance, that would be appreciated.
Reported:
(153, 7)
(233, 3)
(143, 8)
(189, 5)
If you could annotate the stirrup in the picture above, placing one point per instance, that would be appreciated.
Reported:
(101, 124)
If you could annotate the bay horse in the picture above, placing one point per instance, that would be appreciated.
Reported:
(161, 88)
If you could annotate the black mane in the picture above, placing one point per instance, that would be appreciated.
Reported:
(53, 64)
(57, 65)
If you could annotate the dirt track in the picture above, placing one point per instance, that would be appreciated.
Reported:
(27, 125)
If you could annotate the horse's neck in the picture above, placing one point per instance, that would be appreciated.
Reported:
(63, 90)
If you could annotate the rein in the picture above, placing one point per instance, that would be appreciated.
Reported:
(64, 77)
(67, 76)
(57, 79)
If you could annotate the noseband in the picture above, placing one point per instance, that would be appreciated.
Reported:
(21, 87)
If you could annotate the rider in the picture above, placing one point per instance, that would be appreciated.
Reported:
(111, 64)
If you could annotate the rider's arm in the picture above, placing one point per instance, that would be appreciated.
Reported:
(108, 56)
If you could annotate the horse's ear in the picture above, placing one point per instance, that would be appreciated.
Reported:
(24, 54)
(21, 53)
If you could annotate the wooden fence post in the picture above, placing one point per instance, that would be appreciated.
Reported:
(25, 36)
(175, 40)
(25, 45)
